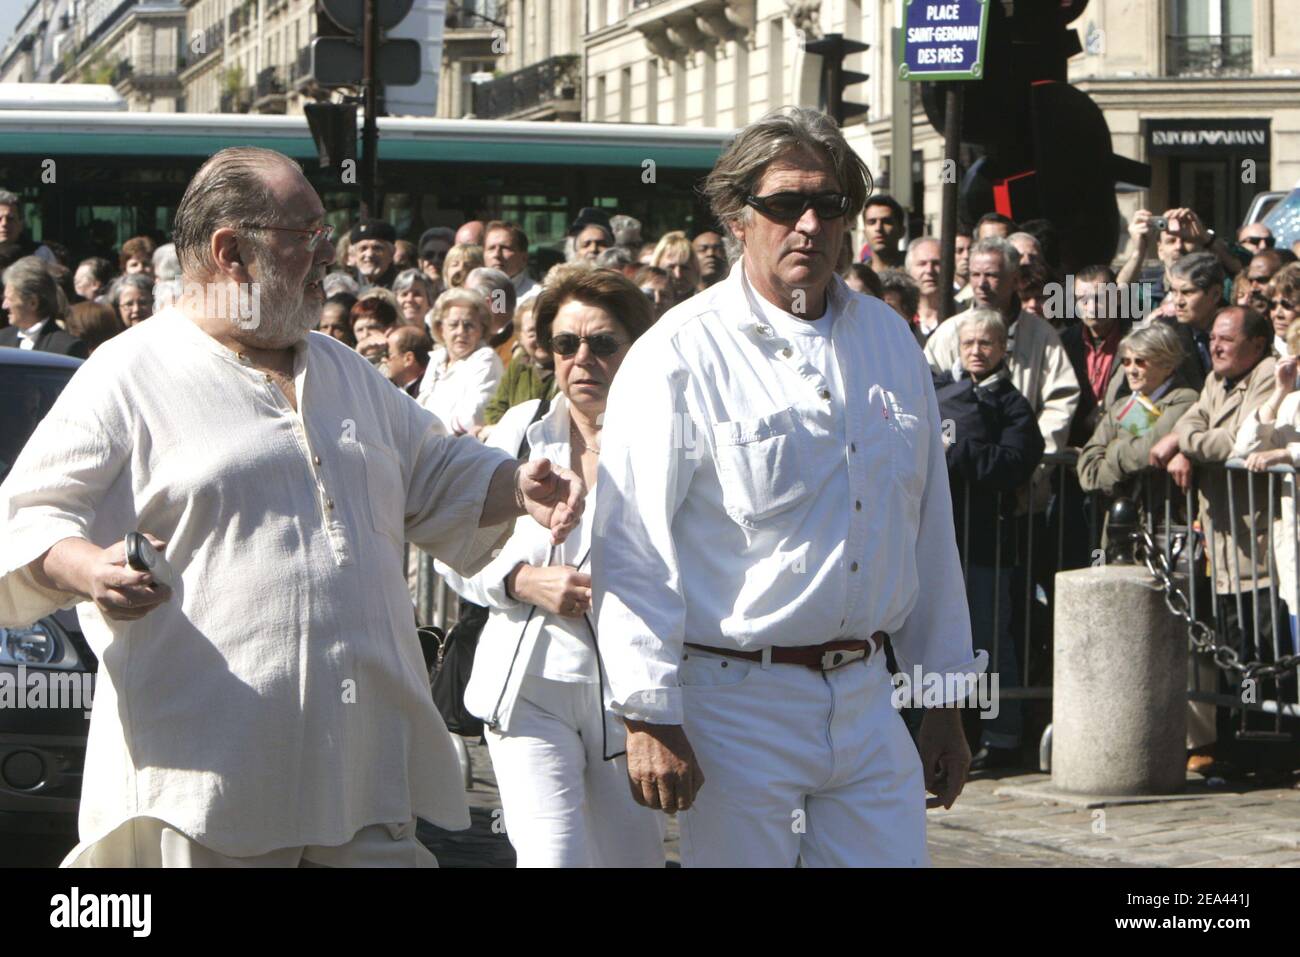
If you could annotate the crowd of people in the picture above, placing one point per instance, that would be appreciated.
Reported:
(1203, 369)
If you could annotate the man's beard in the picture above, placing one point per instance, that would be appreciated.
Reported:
(287, 312)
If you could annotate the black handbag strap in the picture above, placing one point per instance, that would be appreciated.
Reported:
(525, 449)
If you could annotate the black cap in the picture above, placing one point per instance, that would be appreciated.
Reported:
(373, 229)
(591, 216)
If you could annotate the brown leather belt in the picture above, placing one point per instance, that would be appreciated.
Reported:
(827, 657)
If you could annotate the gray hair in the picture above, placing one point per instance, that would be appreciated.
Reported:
(11, 199)
(137, 281)
(413, 277)
(1202, 270)
(1029, 236)
(1002, 247)
(33, 283)
(911, 248)
(460, 296)
(739, 169)
(340, 282)
(983, 318)
(166, 264)
(495, 281)
(616, 257)
(1157, 343)
(230, 188)
(895, 280)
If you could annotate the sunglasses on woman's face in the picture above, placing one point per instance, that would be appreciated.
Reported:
(1133, 361)
(602, 344)
(1286, 304)
(789, 207)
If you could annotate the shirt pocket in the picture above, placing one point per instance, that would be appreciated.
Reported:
(758, 464)
(385, 492)
(911, 440)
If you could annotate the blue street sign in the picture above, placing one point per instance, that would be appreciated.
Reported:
(943, 40)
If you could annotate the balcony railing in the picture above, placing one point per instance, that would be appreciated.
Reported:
(549, 81)
(269, 83)
(147, 68)
(475, 14)
(237, 101)
(301, 65)
(1208, 55)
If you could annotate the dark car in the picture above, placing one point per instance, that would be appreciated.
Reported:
(46, 668)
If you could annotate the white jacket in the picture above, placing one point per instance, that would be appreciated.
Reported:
(1282, 433)
(509, 638)
(459, 393)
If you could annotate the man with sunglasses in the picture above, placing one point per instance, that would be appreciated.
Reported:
(773, 487)
(1255, 238)
(263, 697)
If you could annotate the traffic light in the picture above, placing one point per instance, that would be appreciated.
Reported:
(1046, 149)
(833, 48)
(334, 128)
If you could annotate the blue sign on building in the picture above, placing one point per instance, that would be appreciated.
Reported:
(943, 40)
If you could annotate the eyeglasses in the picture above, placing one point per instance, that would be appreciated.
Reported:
(1133, 361)
(601, 345)
(1267, 241)
(315, 235)
(789, 207)
(1286, 304)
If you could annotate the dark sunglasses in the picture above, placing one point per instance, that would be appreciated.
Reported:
(601, 345)
(1257, 240)
(1286, 304)
(788, 207)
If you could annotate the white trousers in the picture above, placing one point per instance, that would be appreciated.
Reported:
(564, 805)
(799, 765)
(149, 842)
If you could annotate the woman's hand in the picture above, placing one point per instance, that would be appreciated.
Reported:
(1284, 376)
(1260, 461)
(558, 589)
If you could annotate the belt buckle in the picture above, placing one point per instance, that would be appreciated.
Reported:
(840, 657)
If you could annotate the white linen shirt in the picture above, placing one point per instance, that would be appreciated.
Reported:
(280, 698)
(732, 514)
(458, 394)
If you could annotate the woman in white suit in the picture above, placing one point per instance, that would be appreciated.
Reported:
(538, 680)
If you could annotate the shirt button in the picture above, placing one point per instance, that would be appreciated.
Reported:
(853, 567)
(763, 330)
(315, 460)
(787, 352)
(825, 394)
(857, 506)
(853, 446)
(268, 378)
(329, 506)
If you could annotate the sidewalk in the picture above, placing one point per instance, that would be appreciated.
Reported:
(1016, 821)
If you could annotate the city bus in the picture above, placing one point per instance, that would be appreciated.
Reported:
(92, 178)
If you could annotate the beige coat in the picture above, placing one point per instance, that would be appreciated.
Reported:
(1114, 456)
(1282, 433)
(1206, 435)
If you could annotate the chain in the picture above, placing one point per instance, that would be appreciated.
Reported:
(1202, 638)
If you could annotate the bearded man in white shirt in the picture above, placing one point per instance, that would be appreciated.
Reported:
(271, 707)
(773, 484)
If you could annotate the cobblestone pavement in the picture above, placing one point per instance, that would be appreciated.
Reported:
(1015, 821)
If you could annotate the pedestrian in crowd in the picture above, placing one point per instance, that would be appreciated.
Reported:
(711, 254)
(537, 681)
(862, 278)
(1039, 366)
(1117, 455)
(961, 264)
(1039, 286)
(434, 244)
(463, 371)
(775, 422)
(627, 233)
(646, 254)
(13, 229)
(994, 224)
(341, 284)
(658, 288)
(993, 447)
(1044, 233)
(675, 256)
(1269, 436)
(36, 304)
(460, 262)
(132, 296)
(884, 224)
(1241, 380)
(371, 319)
(1093, 345)
(505, 247)
(589, 235)
(167, 287)
(1196, 286)
(621, 260)
(278, 701)
(471, 233)
(922, 263)
(94, 323)
(1028, 247)
(498, 291)
(1250, 288)
(407, 357)
(1255, 238)
(372, 245)
(136, 256)
(404, 257)
(415, 296)
(900, 292)
(1283, 300)
(530, 374)
(336, 319)
(91, 279)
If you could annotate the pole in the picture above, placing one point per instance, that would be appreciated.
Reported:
(951, 145)
(370, 129)
(900, 134)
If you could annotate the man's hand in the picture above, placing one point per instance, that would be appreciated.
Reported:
(552, 495)
(1139, 230)
(945, 756)
(661, 767)
(1259, 461)
(1185, 223)
(1180, 468)
(101, 575)
(1163, 451)
(559, 589)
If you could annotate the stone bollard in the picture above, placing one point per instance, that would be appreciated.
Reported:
(1119, 700)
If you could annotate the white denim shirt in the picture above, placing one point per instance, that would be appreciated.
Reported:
(458, 394)
(280, 698)
(735, 511)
